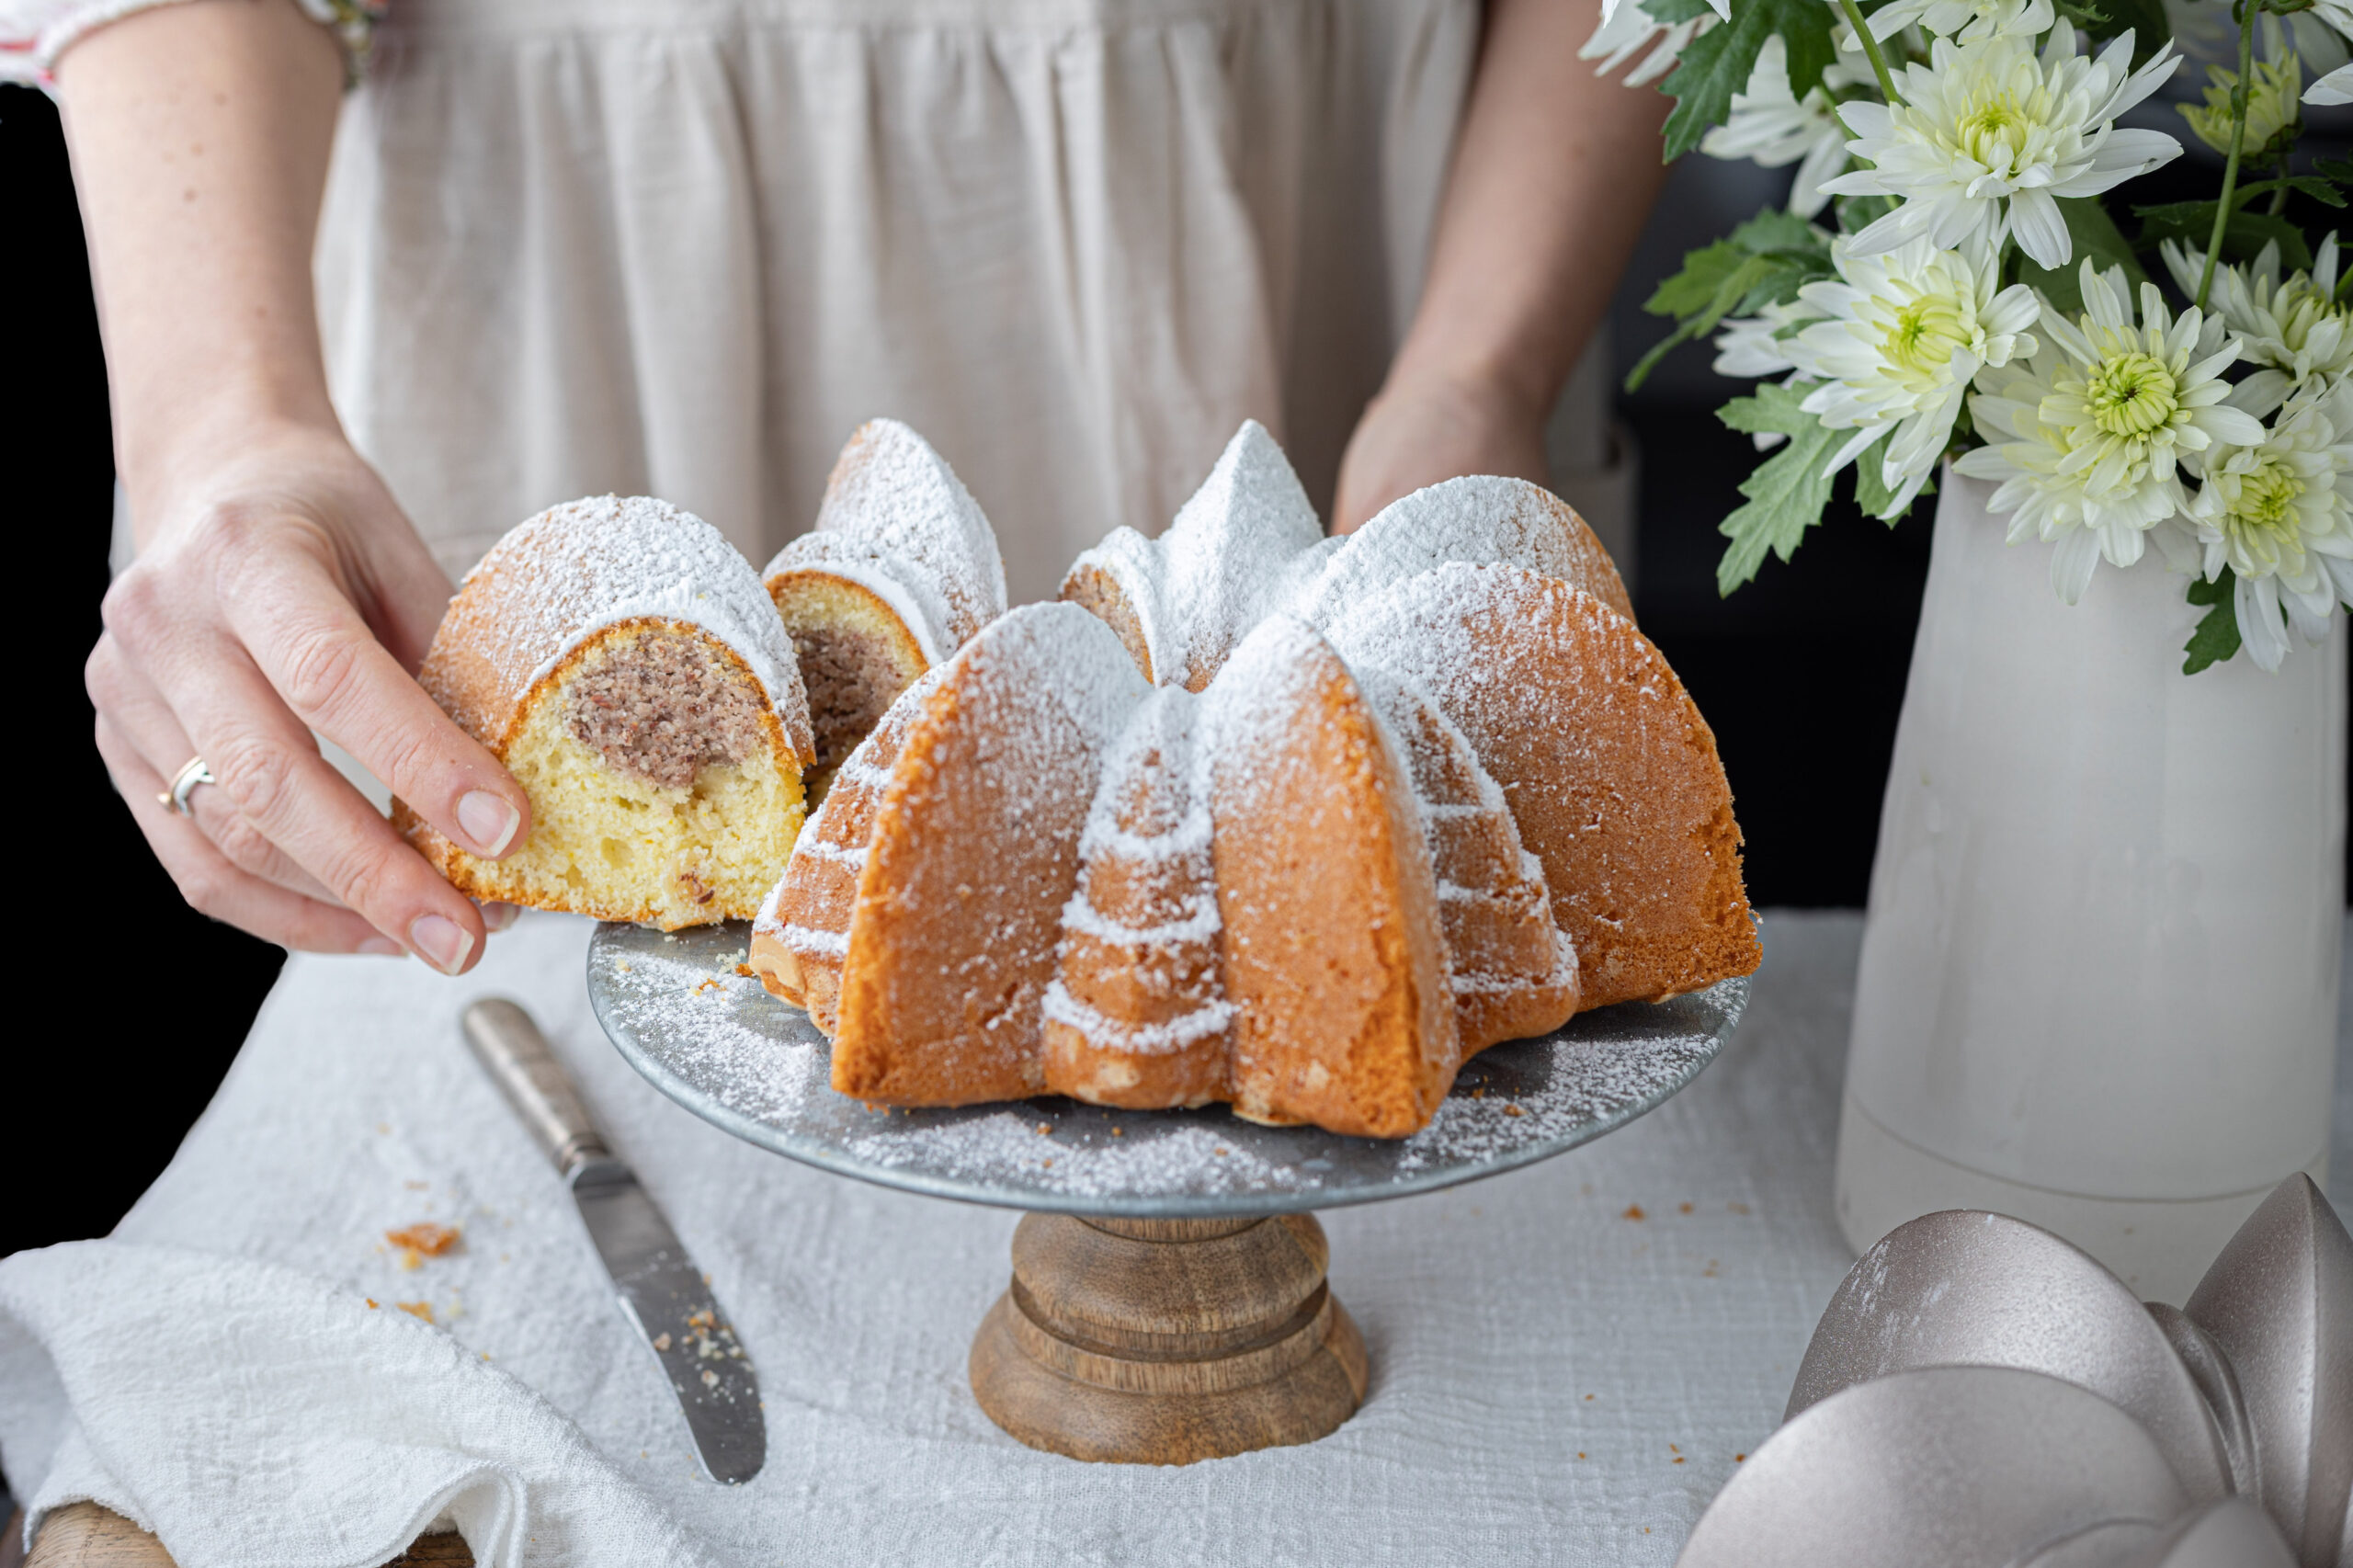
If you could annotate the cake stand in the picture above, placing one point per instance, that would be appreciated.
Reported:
(1168, 1301)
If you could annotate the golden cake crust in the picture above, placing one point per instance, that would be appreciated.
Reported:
(1332, 953)
(575, 587)
(974, 853)
(1612, 773)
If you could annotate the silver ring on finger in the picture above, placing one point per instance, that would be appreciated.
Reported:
(185, 784)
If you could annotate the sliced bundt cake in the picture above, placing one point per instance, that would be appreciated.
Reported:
(901, 570)
(1394, 799)
(623, 662)
(1182, 601)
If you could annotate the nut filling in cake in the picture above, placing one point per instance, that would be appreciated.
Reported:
(661, 709)
(853, 677)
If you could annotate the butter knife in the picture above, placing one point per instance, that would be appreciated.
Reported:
(656, 1283)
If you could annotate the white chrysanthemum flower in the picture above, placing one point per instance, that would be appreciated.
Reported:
(2278, 513)
(2337, 87)
(2273, 112)
(1902, 334)
(2087, 438)
(1749, 348)
(1964, 20)
(2295, 330)
(1771, 126)
(1989, 137)
(1627, 30)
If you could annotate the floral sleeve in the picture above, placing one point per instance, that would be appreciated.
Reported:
(35, 33)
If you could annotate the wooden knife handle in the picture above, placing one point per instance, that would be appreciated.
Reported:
(515, 1053)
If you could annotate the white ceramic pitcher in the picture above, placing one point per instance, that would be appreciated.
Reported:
(2099, 978)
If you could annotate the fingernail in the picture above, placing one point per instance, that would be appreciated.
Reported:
(440, 942)
(489, 821)
(499, 917)
(382, 948)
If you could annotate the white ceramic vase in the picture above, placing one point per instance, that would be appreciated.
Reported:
(2099, 978)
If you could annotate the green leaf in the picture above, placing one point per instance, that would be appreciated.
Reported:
(1857, 213)
(2216, 640)
(2320, 190)
(1872, 493)
(2096, 235)
(1786, 493)
(2243, 238)
(1717, 64)
(1779, 232)
(1764, 262)
(1693, 289)
(2339, 170)
(1730, 291)
(1673, 11)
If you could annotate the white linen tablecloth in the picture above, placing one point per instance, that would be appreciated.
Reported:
(1567, 1361)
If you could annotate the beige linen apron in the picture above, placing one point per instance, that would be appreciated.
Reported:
(683, 246)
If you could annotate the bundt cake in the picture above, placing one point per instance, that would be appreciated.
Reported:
(901, 570)
(624, 663)
(1612, 773)
(1182, 601)
(1256, 817)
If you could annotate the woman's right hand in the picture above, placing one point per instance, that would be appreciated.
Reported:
(279, 590)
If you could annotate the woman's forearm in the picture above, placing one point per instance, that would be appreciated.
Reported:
(199, 135)
(1555, 173)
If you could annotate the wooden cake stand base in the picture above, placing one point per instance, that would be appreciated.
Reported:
(1167, 1341)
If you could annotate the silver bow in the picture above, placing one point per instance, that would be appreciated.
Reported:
(1981, 1395)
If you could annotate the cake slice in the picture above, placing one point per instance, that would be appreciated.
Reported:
(624, 662)
(1514, 970)
(1137, 1015)
(1480, 520)
(801, 937)
(1182, 601)
(901, 570)
(1611, 774)
(1331, 950)
(972, 855)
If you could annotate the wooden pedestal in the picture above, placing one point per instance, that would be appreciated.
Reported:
(1167, 1341)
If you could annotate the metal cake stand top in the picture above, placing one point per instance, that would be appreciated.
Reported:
(721, 1046)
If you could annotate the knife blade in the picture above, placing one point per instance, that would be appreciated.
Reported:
(660, 1290)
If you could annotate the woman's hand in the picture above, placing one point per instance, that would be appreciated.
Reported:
(1430, 429)
(278, 589)
(281, 591)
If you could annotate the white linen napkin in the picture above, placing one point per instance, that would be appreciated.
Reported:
(206, 1398)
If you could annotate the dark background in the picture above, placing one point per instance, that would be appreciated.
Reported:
(1801, 673)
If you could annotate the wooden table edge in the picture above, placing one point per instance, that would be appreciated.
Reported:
(83, 1535)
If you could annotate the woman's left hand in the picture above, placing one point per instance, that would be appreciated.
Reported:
(1430, 427)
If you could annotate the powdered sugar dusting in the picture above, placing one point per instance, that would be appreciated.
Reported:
(898, 521)
(726, 1050)
(1142, 1039)
(595, 562)
(1480, 520)
(1221, 565)
(718, 1026)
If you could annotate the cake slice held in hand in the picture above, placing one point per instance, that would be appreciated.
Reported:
(901, 571)
(625, 665)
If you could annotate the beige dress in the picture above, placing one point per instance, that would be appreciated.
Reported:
(683, 247)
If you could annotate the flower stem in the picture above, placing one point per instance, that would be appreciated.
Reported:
(2238, 143)
(1878, 60)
